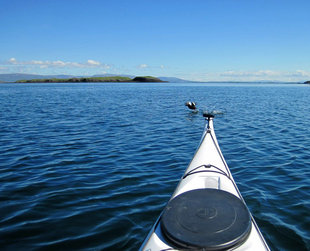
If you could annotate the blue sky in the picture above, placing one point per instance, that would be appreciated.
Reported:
(198, 40)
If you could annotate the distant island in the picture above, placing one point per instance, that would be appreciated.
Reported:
(35, 78)
(141, 79)
(14, 77)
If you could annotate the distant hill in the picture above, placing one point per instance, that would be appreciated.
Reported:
(13, 77)
(175, 80)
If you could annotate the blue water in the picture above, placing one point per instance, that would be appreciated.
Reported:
(91, 166)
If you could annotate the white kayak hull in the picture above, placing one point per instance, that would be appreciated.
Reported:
(206, 173)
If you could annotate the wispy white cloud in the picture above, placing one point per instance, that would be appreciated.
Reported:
(58, 64)
(301, 73)
(267, 74)
(260, 75)
(151, 67)
(93, 62)
(143, 66)
(243, 74)
(92, 66)
(12, 60)
(3, 69)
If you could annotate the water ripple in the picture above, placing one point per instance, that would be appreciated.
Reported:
(91, 166)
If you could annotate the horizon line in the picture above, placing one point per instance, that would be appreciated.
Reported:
(192, 81)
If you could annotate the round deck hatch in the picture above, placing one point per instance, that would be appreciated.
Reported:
(206, 218)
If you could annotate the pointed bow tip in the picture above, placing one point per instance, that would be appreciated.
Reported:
(208, 115)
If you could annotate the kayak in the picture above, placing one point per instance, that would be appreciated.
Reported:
(206, 211)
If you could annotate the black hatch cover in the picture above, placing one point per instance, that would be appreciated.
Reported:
(206, 218)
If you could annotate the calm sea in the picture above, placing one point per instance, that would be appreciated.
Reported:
(91, 166)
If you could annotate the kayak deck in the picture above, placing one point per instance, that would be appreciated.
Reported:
(206, 210)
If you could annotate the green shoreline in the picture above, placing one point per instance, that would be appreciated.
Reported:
(141, 79)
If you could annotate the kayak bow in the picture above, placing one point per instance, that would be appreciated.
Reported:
(206, 211)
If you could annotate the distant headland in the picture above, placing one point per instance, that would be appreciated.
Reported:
(307, 82)
(142, 79)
